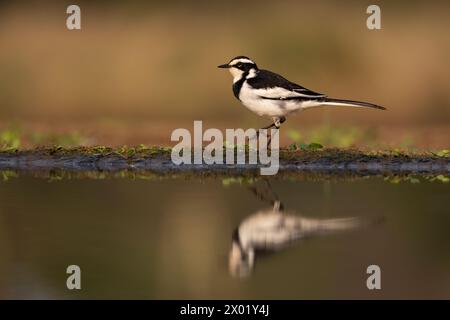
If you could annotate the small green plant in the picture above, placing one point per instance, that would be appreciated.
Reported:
(122, 151)
(237, 180)
(415, 179)
(314, 146)
(7, 174)
(10, 140)
(441, 178)
(101, 149)
(305, 146)
(142, 147)
(443, 153)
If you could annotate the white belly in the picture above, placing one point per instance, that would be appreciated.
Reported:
(267, 107)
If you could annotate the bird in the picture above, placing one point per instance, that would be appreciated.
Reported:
(273, 229)
(270, 95)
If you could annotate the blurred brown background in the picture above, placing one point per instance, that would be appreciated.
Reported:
(138, 69)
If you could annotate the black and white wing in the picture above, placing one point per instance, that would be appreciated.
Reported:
(269, 85)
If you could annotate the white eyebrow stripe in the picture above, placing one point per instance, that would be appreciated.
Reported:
(243, 60)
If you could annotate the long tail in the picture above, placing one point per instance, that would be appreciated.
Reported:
(348, 103)
(312, 226)
(327, 226)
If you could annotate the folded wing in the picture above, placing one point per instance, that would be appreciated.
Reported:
(269, 85)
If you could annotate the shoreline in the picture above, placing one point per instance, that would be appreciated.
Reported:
(158, 160)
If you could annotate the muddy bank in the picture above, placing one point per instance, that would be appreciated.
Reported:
(158, 160)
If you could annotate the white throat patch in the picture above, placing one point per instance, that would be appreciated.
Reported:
(236, 73)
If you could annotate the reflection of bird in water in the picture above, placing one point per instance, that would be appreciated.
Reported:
(273, 229)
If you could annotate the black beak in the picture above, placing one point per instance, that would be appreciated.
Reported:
(226, 65)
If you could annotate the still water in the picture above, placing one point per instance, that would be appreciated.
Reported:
(178, 238)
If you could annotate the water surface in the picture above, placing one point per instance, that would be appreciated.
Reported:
(172, 238)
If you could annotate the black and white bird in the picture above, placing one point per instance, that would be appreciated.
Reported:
(270, 95)
(273, 229)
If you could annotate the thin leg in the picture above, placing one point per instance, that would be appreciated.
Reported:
(264, 192)
(270, 126)
(269, 139)
(266, 127)
(277, 123)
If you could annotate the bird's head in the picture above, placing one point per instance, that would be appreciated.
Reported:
(239, 66)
